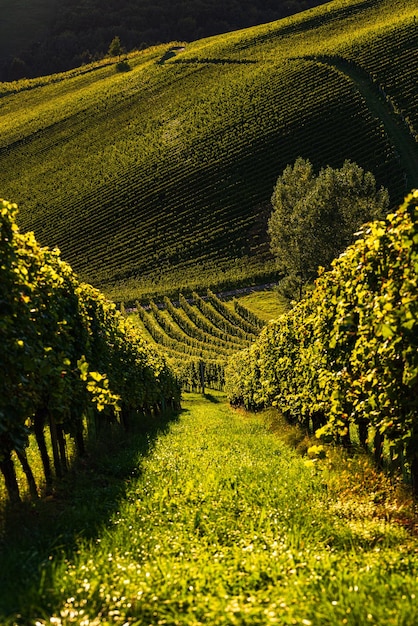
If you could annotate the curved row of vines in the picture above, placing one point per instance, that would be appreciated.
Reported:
(69, 360)
(198, 334)
(346, 357)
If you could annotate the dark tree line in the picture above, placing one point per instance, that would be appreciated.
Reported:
(80, 32)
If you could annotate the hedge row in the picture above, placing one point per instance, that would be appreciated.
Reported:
(68, 358)
(347, 356)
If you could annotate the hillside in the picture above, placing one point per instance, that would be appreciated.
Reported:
(159, 179)
(198, 334)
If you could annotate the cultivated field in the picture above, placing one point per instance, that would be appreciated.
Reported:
(159, 178)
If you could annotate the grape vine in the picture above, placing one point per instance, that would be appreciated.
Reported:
(69, 360)
(346, 357)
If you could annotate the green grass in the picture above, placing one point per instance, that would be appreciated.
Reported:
(267, 305)
(219, 522)
(160, 178)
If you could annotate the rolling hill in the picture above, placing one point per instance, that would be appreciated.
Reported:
(158, 179)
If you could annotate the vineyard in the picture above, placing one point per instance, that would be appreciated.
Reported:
(158, 180)
(135, 489)
(344, 361)
(71, 364)
(198, 335)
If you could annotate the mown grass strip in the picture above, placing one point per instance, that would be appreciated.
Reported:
(224, 524)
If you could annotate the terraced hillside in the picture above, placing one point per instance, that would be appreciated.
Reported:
(160, 178)
(198, 335)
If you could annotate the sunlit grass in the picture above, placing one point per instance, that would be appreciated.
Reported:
(222, 522)
(267, 305)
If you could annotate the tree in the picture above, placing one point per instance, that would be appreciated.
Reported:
(115, 48)
(17, 69)
(315, 217)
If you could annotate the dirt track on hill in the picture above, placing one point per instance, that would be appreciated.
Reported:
(379, 105)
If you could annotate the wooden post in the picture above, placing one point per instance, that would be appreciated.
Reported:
(8, 470)
(202, 375)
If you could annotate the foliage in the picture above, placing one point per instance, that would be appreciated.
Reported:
(346, 356)
(248, 315)
(197, 335)
(174, 199)
(123, 66)
(315, 217)
(66, 354)
(116, 50)
(115, 47)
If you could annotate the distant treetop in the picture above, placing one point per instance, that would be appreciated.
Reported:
(314, 218)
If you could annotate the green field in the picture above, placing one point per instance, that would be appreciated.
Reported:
(215, 521)
(267, 305)
(159, 179)
(198, 332)
(205, 331)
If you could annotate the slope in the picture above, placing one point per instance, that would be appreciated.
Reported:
(398, 132)
(160, 178)
(197, 335)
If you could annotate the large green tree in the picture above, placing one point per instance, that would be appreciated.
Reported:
(316, 216)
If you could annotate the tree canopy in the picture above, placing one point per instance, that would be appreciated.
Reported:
(315, 217)
(115, 48)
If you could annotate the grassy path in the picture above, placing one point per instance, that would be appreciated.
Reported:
(398, 134)
(223, 524)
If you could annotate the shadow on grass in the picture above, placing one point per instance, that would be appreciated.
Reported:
(34, 534)
(169, 54)
(212, 398)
